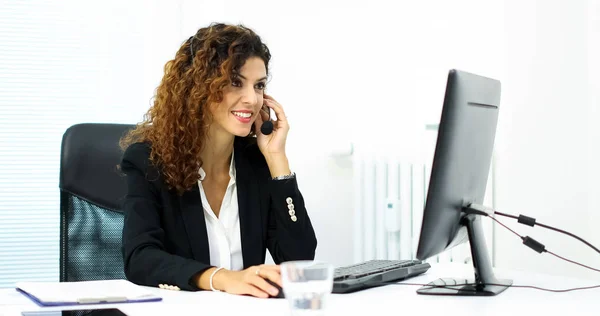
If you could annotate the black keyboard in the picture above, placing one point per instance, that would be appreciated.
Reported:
(374, 273)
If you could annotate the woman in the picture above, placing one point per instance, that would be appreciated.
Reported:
(208, 192)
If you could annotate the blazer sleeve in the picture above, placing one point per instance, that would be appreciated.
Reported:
(289, 239)
(146, 261)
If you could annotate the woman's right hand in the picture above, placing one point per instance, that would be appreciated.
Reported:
(250, 281)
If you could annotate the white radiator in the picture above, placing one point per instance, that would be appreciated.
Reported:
(389, 201)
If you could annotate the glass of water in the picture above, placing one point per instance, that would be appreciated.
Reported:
(307, 285)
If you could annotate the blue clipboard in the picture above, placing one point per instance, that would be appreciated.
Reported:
(38, 293)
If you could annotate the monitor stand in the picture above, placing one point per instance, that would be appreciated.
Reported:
(484, 283)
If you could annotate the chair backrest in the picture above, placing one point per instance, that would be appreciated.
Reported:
(91, 192)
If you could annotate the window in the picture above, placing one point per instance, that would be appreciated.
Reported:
(61, 63)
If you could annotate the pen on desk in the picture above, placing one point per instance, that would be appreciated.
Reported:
(92, 300)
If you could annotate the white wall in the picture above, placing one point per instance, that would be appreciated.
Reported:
(593, 35)
(548, 144)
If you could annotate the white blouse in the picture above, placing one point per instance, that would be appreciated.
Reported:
(224, 240)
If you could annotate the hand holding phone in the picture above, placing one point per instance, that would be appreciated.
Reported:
(272, 145)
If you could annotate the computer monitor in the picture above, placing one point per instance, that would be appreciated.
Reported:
(458, 180)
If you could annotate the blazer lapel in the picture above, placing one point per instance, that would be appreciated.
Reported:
(249, 207)
(195, 225)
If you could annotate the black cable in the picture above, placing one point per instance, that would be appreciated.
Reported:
(527, 241)
(453, 287)
(497, 221)
(525, 220)
(535, 245)
(531, 243)
(571, 261)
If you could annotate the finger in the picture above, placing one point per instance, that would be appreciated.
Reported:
(263, 285)
(275, 267)
(250, 289)
(271, 272)
(274, 105)
(264, 114)
(272, 275)
(277, 126)
(277, 108)
(258, 123)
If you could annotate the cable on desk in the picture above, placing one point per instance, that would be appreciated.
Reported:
(517, 286)
(531, 243)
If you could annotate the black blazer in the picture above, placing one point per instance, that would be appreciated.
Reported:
(164, 234)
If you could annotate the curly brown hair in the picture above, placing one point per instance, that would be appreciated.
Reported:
(177, 123)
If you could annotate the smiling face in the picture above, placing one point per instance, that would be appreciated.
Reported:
(242, 101)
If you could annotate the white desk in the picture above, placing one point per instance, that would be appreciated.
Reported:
(386, 300)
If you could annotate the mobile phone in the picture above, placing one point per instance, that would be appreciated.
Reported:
(267, 125)
(79, 312)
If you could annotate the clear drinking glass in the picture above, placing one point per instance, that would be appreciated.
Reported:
(307, 286)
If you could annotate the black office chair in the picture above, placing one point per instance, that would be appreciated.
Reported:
(91, 192)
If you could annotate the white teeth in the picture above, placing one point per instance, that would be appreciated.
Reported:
(242, 114)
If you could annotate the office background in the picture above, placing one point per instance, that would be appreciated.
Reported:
(354, 77)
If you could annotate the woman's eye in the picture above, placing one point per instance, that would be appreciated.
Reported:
(236, 83)
(261, 86)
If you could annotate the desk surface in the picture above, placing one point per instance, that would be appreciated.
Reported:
(390, 299)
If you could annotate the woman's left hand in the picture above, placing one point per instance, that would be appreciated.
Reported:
(272, 145)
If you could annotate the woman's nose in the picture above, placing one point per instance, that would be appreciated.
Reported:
(249, 96)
